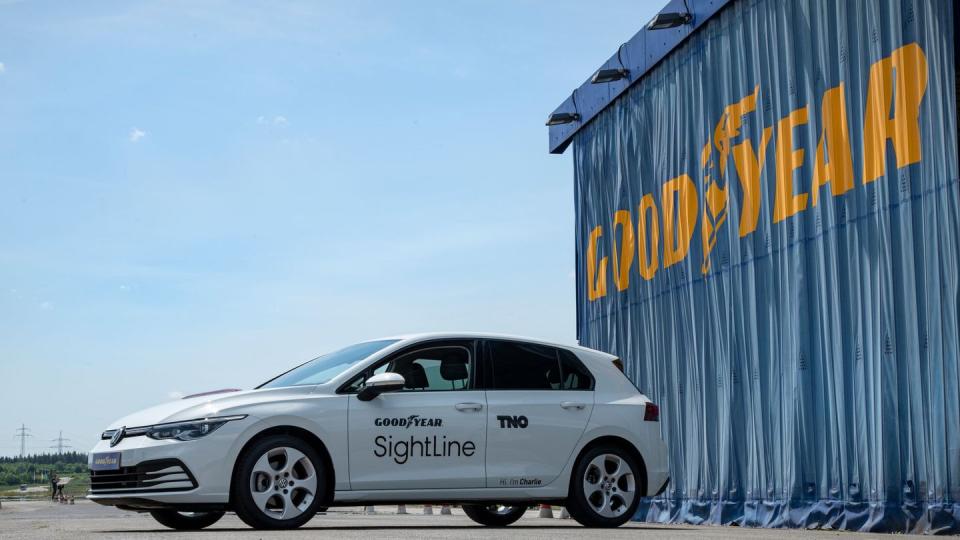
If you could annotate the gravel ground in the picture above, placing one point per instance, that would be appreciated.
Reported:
(86, 520)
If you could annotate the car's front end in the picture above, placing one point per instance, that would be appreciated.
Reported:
(174, 455)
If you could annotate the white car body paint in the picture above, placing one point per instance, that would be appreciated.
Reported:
(532, 463)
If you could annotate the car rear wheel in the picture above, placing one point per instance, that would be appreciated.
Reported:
(186, 521)
(606, 487)
(278, 483)
(494, 515)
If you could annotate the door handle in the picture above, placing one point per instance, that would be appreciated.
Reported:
(468, 406)
(572, 405)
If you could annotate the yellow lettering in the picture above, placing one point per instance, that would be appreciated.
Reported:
(788, 203)
(622, 258)
(838, 168)
(648, 257)
(678, 231)
(749, 168)
(910, 66)
(596, 280)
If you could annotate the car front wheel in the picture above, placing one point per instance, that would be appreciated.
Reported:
(606, 487)
(186, 521)
(494, 515)
(278, 483)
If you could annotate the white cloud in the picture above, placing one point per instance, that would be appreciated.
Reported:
(278, 120)
(3, 68)
(46, 305)
(136, 134)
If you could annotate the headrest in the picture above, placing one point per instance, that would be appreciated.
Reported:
(414, 376)
(553, 376)
(454, 368)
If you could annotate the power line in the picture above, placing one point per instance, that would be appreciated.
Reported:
(60, 440)
(23, 432)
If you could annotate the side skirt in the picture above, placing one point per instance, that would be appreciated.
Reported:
(544, 495)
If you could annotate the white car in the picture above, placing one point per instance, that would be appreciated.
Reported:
(493, 423)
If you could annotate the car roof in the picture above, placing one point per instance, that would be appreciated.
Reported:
(412, 338)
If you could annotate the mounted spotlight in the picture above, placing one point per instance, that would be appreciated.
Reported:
(558, 118)
(669, 20)
(609, 75)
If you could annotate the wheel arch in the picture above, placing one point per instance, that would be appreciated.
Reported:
(301, 433)
(619, 442)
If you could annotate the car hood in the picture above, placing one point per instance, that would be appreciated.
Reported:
(205, 406)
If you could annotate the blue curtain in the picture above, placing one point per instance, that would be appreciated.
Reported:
(767, 235)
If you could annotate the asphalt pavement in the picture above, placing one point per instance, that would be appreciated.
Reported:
(86, 520)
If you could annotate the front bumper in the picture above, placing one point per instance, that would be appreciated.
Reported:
(160, 475)
(169, 473)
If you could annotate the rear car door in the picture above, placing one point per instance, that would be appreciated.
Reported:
(429, 435)
(539, 399)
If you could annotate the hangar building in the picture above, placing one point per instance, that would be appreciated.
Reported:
(767, 234)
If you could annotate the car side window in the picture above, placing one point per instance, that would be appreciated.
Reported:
(524, 366)
(432, 368)
(575, 375)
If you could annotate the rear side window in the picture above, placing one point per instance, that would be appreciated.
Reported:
(575, 375)
(523, 366)
(526, 366)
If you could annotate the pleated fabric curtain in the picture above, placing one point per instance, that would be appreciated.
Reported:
(767, 235)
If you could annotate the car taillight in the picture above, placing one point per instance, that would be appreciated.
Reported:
(652, 414)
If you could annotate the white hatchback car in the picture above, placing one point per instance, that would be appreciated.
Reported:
(493, 423)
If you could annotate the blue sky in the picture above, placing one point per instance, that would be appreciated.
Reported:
(198, 195)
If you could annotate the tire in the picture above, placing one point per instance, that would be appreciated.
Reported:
(606, 487)
(279, 483)
(493, 515)
(186, 521)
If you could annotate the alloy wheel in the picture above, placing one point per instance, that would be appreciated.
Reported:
(283, 483)
(609, 485)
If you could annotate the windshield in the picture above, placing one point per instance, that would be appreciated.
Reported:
(324, 368)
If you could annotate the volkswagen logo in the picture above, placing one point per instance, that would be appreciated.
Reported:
(118, 436)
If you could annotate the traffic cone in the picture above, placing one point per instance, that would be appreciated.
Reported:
(428, 509)
(445, 510)
(401, 509)
(564, 514)
(546, 511)
(369, 510)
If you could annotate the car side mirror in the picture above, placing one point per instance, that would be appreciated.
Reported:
(380, 383)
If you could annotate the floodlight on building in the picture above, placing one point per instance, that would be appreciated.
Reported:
(558, 118)
(609, 75)
(670, 19)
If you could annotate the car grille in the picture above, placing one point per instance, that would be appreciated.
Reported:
(149, 476)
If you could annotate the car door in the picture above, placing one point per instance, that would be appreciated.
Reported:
(429, 435)
(539, 399)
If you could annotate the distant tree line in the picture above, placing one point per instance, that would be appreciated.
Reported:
(37, 467)
(47, 459)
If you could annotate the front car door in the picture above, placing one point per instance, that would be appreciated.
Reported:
(539, 399)
(429, 435)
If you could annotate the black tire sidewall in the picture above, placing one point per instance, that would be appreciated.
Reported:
(482, 515)
(177, 521)
(577, 504)
(242, 500)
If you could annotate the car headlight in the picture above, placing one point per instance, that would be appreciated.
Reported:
(189, 430)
